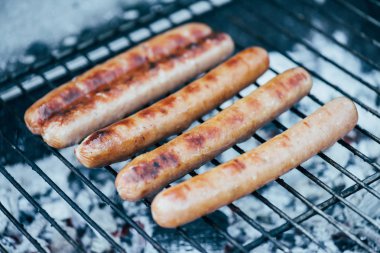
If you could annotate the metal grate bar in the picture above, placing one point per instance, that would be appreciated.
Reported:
(214, 225)
(37, 169)
(341, 199)
(288, 219)
(304, 20)
(341, 22)
(192, 242)
(42, 211)
(2, 249)
(21, 228)
(330, 219)
(302, 41)
(358, 12)
(365, 158)
(224, 233)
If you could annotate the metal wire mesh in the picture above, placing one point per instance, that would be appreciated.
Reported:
(243, 24)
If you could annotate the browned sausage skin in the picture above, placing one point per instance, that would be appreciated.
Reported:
(174, 113)
(220, 186)
(113, 102)
(152, 171)
(113, 69)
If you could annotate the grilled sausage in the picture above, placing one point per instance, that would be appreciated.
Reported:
(220, 186)
(140, 56)
(114, 102)
(152, 171)
(174, 113)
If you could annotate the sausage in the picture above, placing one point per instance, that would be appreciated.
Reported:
(220, 186)
(174, 113)
(112, 103)
(140, 56)
(152, 171)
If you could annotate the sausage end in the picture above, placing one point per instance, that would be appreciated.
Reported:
(162, 212)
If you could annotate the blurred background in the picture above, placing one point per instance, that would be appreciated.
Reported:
(31, 29)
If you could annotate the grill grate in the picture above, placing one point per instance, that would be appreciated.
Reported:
(56, 70)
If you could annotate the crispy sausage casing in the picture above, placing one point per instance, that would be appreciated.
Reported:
(132, 92)
(104, 74)
(174, 113)
(152, 171)
(220, 186)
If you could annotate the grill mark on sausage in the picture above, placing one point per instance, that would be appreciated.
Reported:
(128, 122)
(149, 170)
(212, 132)
(168, 102)
(179, 40)
(235, 118)
(193, 87)
(108, 73)
(99, 136)
(194, 141)
(306, 124)
(147, 113)
(236, 166)
(232, 62)
(295, 79)
(197, 33)
(278, 93)
(47, 109)
(178, 193)
(285, 141)
(210, 77)
(254, 103)
(71, 94)
(99, 77)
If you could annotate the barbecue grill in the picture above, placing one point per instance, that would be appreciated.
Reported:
(329, 203)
